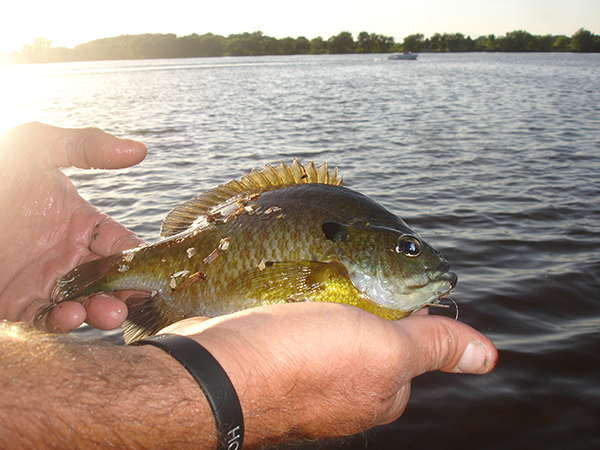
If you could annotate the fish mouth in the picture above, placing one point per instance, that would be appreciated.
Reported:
(430, 287)
(442, 274)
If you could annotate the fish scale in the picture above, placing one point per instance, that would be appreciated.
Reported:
(284, 234)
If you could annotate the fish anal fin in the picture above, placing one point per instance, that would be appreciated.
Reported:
(145, 317)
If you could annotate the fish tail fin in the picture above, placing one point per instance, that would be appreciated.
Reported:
(84, 280)
(144, 319)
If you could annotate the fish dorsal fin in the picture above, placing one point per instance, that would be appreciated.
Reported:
(269, 178)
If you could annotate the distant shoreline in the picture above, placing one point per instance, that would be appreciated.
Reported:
(164, 46)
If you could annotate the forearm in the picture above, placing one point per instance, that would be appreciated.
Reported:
(60, 392)
(63, 392)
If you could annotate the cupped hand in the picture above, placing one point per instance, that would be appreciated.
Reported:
(47, 229)
(320, 370)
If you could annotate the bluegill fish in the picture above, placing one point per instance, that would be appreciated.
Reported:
(289, 233)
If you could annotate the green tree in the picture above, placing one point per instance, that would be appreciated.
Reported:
(212, 45)
(140, 46)
(582, 41)
(518, 41)
(153, 46)
(318, 45)
(491, 45)
(373, 43)
(480, 44)
(414, 43)
(302, 45)
(364, 43)
(194, 46)
(287, 46)
(145, 46)
(272, 46)
(451, 42)
(386, 44)
(545, 43)
(245, 44)
(60, 54)
(37, 51)
(437, 42)
(342, 43)
(561, 44)
(455, 42)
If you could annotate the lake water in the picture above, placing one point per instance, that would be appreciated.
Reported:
(492, 158)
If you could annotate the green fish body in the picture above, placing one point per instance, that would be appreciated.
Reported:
(285, 234)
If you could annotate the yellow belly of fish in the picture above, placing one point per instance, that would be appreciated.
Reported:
(319, 282)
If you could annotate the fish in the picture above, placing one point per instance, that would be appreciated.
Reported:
(284, 234)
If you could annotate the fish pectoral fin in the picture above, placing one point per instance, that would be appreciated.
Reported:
(287, 281)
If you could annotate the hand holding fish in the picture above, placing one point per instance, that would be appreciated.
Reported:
(46, 228)
(324, 370)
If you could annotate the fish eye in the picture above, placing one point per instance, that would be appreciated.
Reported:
(409, 245)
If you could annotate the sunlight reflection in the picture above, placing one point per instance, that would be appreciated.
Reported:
(17, 96)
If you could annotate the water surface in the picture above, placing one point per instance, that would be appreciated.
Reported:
(492, 158)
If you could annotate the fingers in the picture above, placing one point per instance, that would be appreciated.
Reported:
(101, 311)
(440, 343)
(110, 237)
(105, 312)
(62, 318)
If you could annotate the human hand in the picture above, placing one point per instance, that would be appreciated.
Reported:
(324, 370)
(46, 228)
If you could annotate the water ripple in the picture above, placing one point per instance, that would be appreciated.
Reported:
(493, 158)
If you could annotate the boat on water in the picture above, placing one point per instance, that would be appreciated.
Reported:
(407, 56)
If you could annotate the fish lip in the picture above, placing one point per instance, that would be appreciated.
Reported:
(442, 272)
(452, 278)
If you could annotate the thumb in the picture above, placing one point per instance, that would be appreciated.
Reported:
(93, 148)
(440, 343)
(85, 148)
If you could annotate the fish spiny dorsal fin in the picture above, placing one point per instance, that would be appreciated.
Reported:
(269, 178)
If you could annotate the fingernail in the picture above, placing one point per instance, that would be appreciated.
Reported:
(473, 359)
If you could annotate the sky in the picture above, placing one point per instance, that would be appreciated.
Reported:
(69, 23)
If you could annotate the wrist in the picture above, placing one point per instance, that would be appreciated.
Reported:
(212, 380)
(193, 412)
(268, 393)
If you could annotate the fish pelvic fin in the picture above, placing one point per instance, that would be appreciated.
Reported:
(269, 178)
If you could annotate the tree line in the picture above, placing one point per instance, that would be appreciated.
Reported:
(515, 41)
(156, 46)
